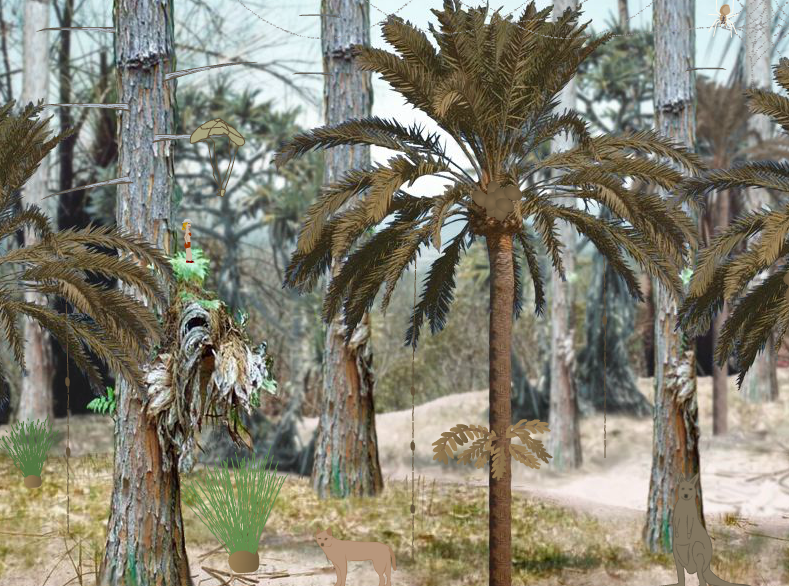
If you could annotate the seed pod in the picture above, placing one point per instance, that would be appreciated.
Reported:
(493, 186)
(505, 205)
(499, 215)
(478, 196)
(512, 193)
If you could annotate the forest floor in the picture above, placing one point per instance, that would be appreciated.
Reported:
(580, 528)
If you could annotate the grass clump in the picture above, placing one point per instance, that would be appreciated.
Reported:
(28, 445)
(235, 517)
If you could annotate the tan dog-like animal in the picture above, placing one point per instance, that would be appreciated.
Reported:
(340, 552)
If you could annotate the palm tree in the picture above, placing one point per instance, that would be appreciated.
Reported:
(112, 324)
(753, 244)
(491, 88)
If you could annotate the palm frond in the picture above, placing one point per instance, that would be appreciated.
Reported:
(764, 174)
(770, 104)
(529, 251)
(437, 292)
(373, 131)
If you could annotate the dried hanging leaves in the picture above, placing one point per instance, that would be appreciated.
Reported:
(210, 371)
(486, 445)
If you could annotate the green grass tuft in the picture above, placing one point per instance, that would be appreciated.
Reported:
(235, 517)
(28, 445)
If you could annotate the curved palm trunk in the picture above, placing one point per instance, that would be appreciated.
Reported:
(346, 452)
(145, 538)
(675, 443)
(502, 295)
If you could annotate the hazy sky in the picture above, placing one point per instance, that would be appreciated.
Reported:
(388, 104)
(277, 45)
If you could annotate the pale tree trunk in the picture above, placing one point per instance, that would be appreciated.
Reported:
(346, 453)
(565, 438)
(720, 383)
(624, 18)
(675, 442)
(145, 534)
(761, 381)
(502, 294)
(36, 401)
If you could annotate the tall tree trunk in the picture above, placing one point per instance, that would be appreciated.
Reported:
(71, 211)
(502, 294)
(720, 374)
(346, 453)
(624, 18)
(36, 400)
(761, 381)
(565, 438)
(145, 536)
(675, 442)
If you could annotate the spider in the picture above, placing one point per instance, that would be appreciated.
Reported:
(723, 19)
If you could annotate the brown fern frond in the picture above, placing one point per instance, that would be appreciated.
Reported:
(457, 436)
(498, 461)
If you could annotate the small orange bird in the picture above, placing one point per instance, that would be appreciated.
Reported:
(187, 228)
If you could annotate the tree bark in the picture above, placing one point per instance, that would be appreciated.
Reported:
(624, 20)
(675, 442)
(720, 384)
(565, 438)
(761, 381)
(145, 537)
(346, 453)
(502, 294)
(36, 400)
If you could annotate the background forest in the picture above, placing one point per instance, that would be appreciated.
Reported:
(560, 373)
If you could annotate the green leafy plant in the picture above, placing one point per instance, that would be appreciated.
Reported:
(190, 272)
(236, 517)
(28, 445)
(104, 403)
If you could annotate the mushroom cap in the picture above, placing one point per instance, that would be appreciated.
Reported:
(216, 127)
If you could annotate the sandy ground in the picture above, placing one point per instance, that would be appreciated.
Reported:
(742, 474)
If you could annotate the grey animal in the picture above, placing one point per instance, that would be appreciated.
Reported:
(692, 544)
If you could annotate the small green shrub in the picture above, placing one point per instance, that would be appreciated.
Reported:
(235, 517)
(190, 272)
(28, 445)
(104, 403)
